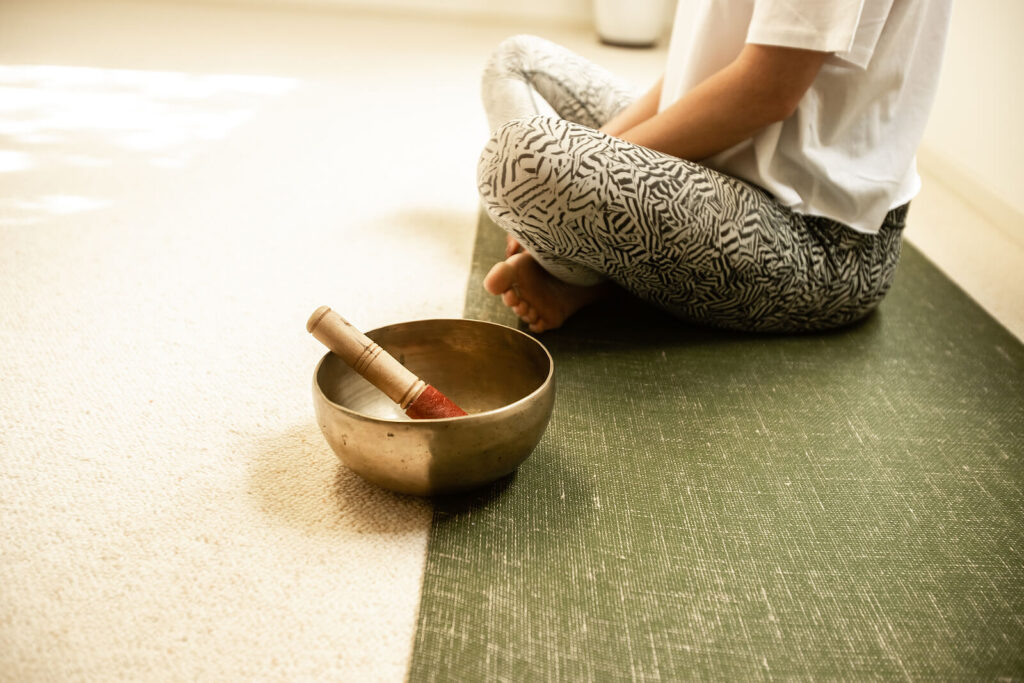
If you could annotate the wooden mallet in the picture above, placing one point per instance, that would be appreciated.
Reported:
(418, 399)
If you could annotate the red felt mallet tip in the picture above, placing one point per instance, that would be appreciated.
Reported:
(418, 399)
(432, 403)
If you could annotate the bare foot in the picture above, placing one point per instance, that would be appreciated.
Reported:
(540, 299)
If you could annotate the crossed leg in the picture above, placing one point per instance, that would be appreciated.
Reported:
(529, 76)
(589, 208)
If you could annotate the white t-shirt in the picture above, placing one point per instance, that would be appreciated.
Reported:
(847, 153)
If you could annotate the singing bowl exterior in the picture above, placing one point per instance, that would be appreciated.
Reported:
(502, 377)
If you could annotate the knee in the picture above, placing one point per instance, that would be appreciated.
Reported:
(522, 165)
(509, 63)
(512, 56)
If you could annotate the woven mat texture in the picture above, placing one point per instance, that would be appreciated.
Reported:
(708, 505)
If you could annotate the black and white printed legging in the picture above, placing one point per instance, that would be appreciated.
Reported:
(703, 245)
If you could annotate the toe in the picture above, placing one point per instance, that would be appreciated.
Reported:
(500, 278)
(510, 298)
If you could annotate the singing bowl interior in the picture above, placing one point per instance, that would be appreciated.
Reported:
(502, 377)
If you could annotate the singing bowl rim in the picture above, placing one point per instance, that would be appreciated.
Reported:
(485, 414)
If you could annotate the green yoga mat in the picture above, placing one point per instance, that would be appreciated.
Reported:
(710, 505)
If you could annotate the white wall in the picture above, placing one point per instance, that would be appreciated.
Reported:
(974, 141)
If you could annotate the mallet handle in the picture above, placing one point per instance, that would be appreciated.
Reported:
(365, 356)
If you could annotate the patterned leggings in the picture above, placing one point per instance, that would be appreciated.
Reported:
(700, 244)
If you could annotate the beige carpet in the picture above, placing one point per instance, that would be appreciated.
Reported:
(171, 212)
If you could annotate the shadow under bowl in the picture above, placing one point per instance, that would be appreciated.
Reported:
(502, 377)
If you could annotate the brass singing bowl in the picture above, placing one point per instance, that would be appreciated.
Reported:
(502, 377)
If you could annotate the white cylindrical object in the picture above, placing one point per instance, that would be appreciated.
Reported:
(630, 22)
